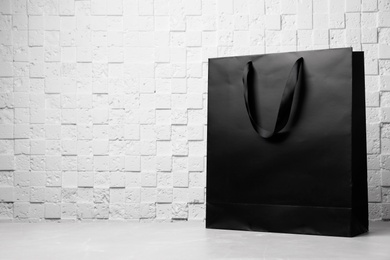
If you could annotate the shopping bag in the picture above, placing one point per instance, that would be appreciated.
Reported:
(286, 143)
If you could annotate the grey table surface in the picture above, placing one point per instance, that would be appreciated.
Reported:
(179, 240)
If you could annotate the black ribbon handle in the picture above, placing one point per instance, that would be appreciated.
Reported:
(285, 104)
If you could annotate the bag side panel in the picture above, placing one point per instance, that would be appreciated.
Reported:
(359, 151)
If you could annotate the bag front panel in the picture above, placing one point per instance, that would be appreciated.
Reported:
(310, 164)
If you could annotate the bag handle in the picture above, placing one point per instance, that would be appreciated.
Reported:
(285, 104)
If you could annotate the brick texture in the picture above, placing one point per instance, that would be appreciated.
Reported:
(103, 103)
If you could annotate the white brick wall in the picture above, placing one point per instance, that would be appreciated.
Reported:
(103, 102)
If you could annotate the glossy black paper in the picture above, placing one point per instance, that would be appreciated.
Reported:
(311, 177)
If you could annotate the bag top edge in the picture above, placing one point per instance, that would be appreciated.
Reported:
(251, 55)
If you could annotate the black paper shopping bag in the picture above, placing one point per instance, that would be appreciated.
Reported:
(286, 143)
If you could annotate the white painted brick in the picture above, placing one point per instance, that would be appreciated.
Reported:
(373, 146)
(84, 163)
(384, 67)
(196, 211)
(373, 162)
(320, 37)
(6, 131)
(372, 115)
(164, 163)
(52, 85)
(100, 147)
(196, 195)
(132, 195)
(37, 146)
(84, 195)
(66, 7)
(148, 163)
(148, 179)
(7, 162)
(117, 195)
(85, 210)
(163, 132)
(383, 19)
(353, 5)
(132, 211)
(352, 20)
(383, 5)
(195, 132)
(6, 178)
(69, 195)
(385, 177)
(132, 163)
(6, 147)
(384, 51)
(305, 16)
(148, 195)
(369, 35)
(22, 179)
(99, 7)
(117, 211)
(336, 6)
(164, 148)
(21, 210)
(197, 148)
(6, 69)
(5, 7)
(22, 162)
(53, 147)
(336, 20)
(159, 7)
(52, 211)
(164, 195)
(11, 100)
(386, 211)
(385, 82)
(195, 163)
(37, 162)
(21, 116)
(384, 35)
(375, 211)
(225, 6)
(320, 6)
(180, 147)
(22, 194)
(68, 211)
(371, 66)
(36, 211)
(179, 211)
(37, 194)
(53, 179)
(69, 179)
(22, 146)
(117, 179)
(286, 6)
(369, 5)
(180, 179)
(101, 163)
(163, 212)
(6, 194)
(53, 194)
(101, 195)
(146, 210)
(374, 178)
(372, 99)
(6, 39)
(352, 36)
(197, 179)
(374, 194)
